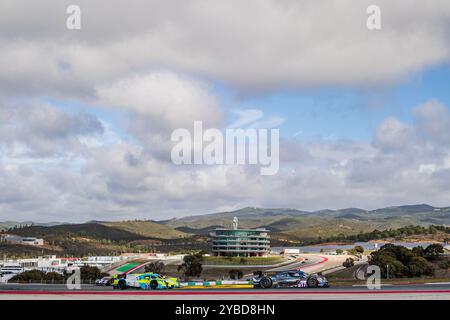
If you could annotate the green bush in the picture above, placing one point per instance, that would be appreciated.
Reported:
(359, 249)
(433, 251)
(155, 267)
(348, 263)
(36, 275)
(192, 265)
(235, 274)
(398, 261)
(444, 264)
(91, 273)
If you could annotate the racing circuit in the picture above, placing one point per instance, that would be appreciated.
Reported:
(314, 263)
(59, 292)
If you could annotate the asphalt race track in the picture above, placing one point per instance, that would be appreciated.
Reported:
(90, 292)
(314, 263)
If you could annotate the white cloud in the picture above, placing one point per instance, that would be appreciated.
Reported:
(123, 180)
(157, 104)
(40, 130)
(251, 45)
(147, 58)
(393, 135)
(173, 101)
(433, 122)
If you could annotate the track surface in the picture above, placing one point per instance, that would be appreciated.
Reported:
(314, 263)
(89, 292)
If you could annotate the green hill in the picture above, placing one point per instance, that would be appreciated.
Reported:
(286, 225)
(99, 238)
(4, 225)
(147, 228)
(84, 230)
(294, 224)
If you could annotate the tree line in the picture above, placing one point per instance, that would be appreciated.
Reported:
(390, 233)
(86, 273)
(397, 261)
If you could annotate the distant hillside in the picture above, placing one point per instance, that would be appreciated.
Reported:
(83, 230)
(303, 225)
(16, 250)
(201, 231)
(148, 228)
(4, 225)
(248, 218)
(105, 238)
(285, 224)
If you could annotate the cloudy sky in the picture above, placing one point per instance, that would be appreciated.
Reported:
(86, 115)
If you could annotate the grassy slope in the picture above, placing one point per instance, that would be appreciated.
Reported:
(16, 250)
(86, 230)
(74, 239)
(300, 228)
(148, 229)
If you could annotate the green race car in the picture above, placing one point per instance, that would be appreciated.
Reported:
(144, 281)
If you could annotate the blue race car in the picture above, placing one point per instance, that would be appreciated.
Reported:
(291, 279)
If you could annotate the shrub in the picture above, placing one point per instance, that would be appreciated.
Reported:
(32, 275)
(398, 261)
(155, 267)
(433, 251)
(419, 250)
(444, 264)
(36, 275)
(348, 263)
(418, 266)
(235, 274)
(359, 249)
(192, 265)
(91, 273)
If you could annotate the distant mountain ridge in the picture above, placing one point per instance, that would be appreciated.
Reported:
(300, 224)
(11, 224)
(251, 212)
(255, 213)
(289, 223)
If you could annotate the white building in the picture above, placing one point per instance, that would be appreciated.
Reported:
(13, 239)
(290, 251)
(51, 263)
(9, 270)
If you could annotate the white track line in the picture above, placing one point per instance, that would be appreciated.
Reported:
(365, 285)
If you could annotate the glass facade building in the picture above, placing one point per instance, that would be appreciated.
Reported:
(240, 242)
